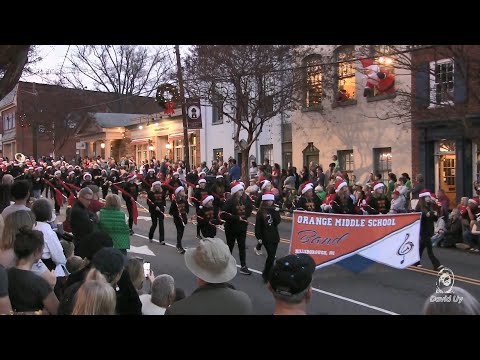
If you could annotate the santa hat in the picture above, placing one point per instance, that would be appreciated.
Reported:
(70, 167)
(113, 169)
(424, 193)
(474, 201)
(71, 173)
(151, 170)
(242, 183)
(87, 175)
(378, 185)
(268, 196)
(30, 168)
(178, 189)
(264, 183)
(58, 173)
(202, 173)
(366, 62)
(396, 192)
(39, 168)
(219, 176)
(202, 181)
(176, 173)
(338, 177)
(339, 184)
(305, 187)
(131, 177)
(235, 186)
(206, 198)
(155, 183)
(49, 167)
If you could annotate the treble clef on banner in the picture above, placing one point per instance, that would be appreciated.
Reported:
(405, 248)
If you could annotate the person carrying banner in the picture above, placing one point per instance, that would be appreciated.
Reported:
(156, 206)
(429, 216)
(237, 209)
(207, 219)
(131, 188)
(266, 230)
(179, 210)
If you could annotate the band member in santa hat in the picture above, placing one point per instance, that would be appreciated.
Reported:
(87, 180)
(308, 201)
(218, 191)
(132, 188)
(235, 213)
(379, 203)
(427, 224)
(156, 206)
(265, 186)
(207, 216)
(179, 210)
(56, 181)
(266, 230)
(113, 178)
(199, 193)
(343, 203)
(174, 183)
(149, 179)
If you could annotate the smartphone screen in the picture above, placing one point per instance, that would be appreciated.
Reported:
(146, 268)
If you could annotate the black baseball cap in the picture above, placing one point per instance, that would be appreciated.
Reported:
(109, 261)
(292, 274)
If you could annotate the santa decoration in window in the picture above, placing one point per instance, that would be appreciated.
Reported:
(377, 77)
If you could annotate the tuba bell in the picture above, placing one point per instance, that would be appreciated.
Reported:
(20, 157)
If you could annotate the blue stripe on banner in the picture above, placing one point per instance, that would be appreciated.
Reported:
(355, 263)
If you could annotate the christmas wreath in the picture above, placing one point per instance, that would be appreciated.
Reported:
(166, 89)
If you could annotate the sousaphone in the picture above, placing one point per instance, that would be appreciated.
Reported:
(20, 157)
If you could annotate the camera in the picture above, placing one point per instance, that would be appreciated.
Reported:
(146, 269)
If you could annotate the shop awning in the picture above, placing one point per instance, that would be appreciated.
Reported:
(140, 141)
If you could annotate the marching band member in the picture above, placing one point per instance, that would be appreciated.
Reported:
(132, 188)
(207, 216)
(156, 206)
(179, 210)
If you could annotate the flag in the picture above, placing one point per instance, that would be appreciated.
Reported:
(133, 202)
(71, 197)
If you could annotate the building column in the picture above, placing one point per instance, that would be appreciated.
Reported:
(90, 148)
(108, 144)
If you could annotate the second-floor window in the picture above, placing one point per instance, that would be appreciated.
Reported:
(9, 121)
(345, 160)
(314, 87)
(217, 108)
(345, 74)
(441, 82)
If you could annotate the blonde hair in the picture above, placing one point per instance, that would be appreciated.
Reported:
(13, 223)
(95, 296)
(135, 270)
(113, 201)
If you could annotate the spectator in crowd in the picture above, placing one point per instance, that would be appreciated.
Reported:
(95, 297)
(214, 266)
(253, 170)
(68, 248)
(52, 256)
(5, 196)
(5, 305)
(439, 229)
(95, 205)
(113, 221)
(290, 283)
(28, 291)
(392, 182)
(82, 220)
(468, 306)
(469, 218)
(74, 264)
(235, 171)
(453, 235)
(162, 296)
(397, 204)
(137, 274)
(444, 202)
(20, 192)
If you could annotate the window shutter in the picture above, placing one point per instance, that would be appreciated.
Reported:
(422, 85)
(460, 83)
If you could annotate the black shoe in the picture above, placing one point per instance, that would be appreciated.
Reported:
(245, 270)
(438, 268)
(131, 232)
(180, 250)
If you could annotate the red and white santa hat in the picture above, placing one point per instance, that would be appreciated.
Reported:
(378, 185)
(235, 186)
(206, 198)
(85, 176)
(339, 184)
(474, 201)
(39, 168)
(71, 173)
(424, 193)
(151, 170)
(58, 173)
(178, 189)
(176, 173)
(306, 187)
(155, 183)
(202, 181)
(268, 196)
(131, 177)
(219, 177)
(202, 173)
(263, 183)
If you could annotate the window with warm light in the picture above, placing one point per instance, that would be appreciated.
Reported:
(383, 162)
(218, 154)
(345, 74)
(314, 77)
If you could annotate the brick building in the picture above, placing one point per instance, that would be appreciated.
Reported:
(41, 119)
(446, 118)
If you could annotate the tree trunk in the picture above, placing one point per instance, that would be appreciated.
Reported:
(14, 70)
(245, 167)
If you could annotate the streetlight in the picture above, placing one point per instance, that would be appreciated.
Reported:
(168, 146)
(151, 148)
(102, 145)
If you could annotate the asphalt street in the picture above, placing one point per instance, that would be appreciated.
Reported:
(378, 290)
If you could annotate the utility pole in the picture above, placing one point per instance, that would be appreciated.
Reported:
(184, 112)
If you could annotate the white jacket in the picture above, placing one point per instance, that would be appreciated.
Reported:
(52, 248)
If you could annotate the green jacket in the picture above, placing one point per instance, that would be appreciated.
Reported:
(113, 222)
